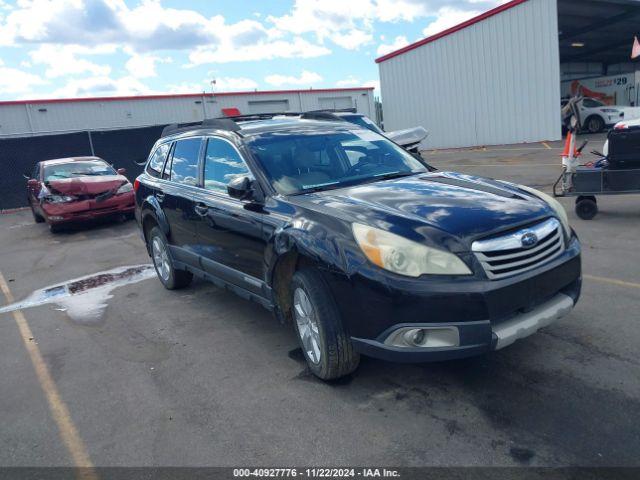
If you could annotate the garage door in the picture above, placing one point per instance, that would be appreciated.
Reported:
(268, 106)
(335, 103)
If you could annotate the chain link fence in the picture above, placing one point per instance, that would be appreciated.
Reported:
(122, 148)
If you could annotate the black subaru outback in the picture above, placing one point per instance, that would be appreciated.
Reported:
(360, 245)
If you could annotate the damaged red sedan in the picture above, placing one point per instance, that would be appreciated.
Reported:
(77, 189)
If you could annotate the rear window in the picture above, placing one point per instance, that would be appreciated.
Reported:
(184, 163)
(156, 162)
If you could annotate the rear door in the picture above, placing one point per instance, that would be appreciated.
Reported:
(230, 238)
(177, 200)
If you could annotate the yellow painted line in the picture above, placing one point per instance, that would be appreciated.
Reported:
(546, 145)
(612, 281)
(68, 431)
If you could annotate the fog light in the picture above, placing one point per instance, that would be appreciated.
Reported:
(424, 337)
(415, 337)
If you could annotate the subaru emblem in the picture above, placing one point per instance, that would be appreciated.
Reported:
(529, 240)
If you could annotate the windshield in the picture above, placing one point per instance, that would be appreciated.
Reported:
(363, 122)
(59, 171)
(319, 160)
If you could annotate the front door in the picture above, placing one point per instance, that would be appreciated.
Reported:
(176, 198)
(230, 239)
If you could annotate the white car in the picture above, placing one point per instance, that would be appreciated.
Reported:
(595, 115)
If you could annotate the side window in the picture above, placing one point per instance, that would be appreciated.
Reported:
(156, 162)
(222, 164)
(184, 163)
(36, 171)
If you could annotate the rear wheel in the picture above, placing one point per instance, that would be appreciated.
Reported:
(595, 124)
(325, 342)
(586, 207)
(170, 277)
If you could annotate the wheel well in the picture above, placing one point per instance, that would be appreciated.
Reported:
(288, 264)
(147, 224)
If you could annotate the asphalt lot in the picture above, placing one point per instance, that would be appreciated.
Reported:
(200, 377)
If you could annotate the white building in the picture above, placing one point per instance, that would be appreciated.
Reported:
(495, 79)
(41, 117)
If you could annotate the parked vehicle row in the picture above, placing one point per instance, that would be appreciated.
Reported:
(363, 247)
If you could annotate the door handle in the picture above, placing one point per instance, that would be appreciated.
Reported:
(160, 196)
(201, 209)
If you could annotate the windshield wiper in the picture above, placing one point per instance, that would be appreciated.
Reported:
(390, 175)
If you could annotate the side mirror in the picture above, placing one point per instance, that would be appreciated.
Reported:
(121, 171)
(33, 183)
(240, 188)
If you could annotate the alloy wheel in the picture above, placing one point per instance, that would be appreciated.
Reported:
(307, 322)
(161, 259)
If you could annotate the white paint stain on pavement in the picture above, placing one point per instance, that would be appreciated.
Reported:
(84, 299)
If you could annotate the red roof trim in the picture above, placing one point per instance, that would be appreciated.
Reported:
(449, 31)
(181, 95)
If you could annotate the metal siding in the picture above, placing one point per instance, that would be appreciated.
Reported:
(114, 114)
(495, 82)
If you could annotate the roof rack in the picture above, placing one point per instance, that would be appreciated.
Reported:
(214, 123)
(261, 116)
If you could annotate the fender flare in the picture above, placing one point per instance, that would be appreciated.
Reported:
(151, 208)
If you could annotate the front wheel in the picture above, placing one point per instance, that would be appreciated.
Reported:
(36, 217)
(325, 342)
(170, 277)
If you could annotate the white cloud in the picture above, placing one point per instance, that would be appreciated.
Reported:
(234, 83)
(397, 43)
(350, 81)
(62, 60)
(149, 26)
(99, 86)
(306, 78)
(346, 23)
(267, 50)
(448, 17)
(144, 65)
(14, 81)
(376, 86)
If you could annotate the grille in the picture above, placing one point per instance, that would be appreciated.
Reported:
(506, 256)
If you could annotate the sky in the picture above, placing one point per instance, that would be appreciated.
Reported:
(85, 48)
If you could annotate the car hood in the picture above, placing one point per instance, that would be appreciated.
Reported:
(462, 206)
(87, 185)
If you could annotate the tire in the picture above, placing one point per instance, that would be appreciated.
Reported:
(325, 343)
(594, 124)
(55, 228)
(169, 276)
(586, 207)
(37, 218)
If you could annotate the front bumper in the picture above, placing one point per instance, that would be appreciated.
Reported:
(82, 210)
(488, 315)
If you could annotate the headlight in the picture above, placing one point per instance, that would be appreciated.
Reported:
(610, 110)
(405, 257)
(127, 187)
(554, 204)
(59, 198)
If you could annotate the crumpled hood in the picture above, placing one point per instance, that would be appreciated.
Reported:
(460, 205)
(87, 185)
